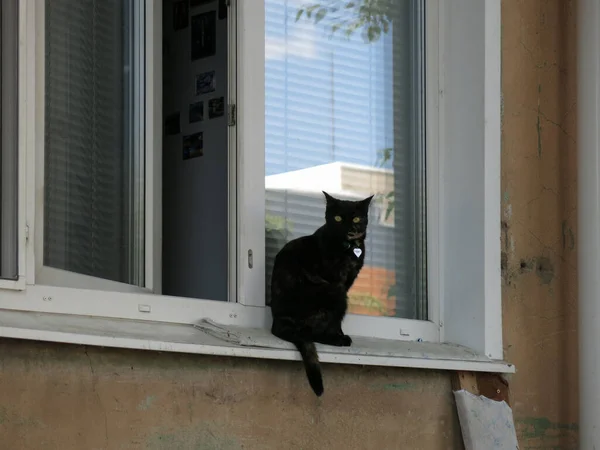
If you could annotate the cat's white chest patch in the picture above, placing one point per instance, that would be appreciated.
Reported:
(357, 251)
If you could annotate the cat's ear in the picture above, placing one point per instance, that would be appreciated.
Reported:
(367, 201)
(328, 198)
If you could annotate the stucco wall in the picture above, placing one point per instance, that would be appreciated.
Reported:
(75, 398)
(539, 212)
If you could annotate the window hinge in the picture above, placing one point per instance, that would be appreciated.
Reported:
(26, 233)
(231, 116)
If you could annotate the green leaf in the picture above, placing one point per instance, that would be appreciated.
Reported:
(320, 14)
(350, 5)
(310, 9)
(373, 32)
(352, 28)
(387, 154)
(392, 291)
(386, 26)
(390, 208)
(299, 14)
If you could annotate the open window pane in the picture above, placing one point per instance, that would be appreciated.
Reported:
(94, 149)
(345, 114)
(8, 159)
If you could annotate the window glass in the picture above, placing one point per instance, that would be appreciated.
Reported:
(344, 94)
(94, 149)
(8, 155)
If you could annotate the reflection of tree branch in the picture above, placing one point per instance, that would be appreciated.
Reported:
(384, 156)
(277, 223)
(372, 16)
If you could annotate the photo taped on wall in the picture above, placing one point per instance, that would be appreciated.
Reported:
(192, 145)
(216, 107)
(204, 40)
(196, 113)
(205, 82)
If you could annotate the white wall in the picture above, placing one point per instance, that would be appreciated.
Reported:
(194, 190)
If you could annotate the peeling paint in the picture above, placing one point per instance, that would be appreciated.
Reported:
(539, 125)
(13, 418)
(201, 437)
(508, 212)
(544, 269)
(397, 387)
(541, 427)
(146, 403)
(526, 265)
(504, 228)
(568, 237)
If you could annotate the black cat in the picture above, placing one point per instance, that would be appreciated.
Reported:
(311, 278)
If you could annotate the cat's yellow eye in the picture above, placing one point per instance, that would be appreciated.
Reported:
(338, 218)
(356, 220)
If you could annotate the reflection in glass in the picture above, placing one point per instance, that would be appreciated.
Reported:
(344, 114)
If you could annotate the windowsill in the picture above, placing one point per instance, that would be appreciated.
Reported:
(122, 333)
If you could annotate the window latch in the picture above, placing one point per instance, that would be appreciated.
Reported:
(231, 116)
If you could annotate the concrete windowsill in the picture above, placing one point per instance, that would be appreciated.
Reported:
(185, 338)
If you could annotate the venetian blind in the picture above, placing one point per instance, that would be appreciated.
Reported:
(85, 208)
(342, 116)
(9, 133)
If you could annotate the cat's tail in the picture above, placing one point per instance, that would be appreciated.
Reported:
(308, 351)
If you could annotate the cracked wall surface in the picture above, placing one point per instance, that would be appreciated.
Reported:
(539, 218)
(77, 398)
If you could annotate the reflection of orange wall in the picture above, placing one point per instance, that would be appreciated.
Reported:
(369, 294)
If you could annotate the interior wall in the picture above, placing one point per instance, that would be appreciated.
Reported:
(539, 218)
(195, 190)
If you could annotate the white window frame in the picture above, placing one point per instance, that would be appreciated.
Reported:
(463, 189)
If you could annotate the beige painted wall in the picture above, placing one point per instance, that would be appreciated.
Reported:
(75, 398)
(539, 213)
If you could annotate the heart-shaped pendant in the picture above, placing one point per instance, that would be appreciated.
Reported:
(357, 251)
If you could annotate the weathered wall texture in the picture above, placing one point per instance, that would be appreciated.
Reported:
(75, 398)
(539, 204)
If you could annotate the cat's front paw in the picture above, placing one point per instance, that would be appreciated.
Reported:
(346, 340)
